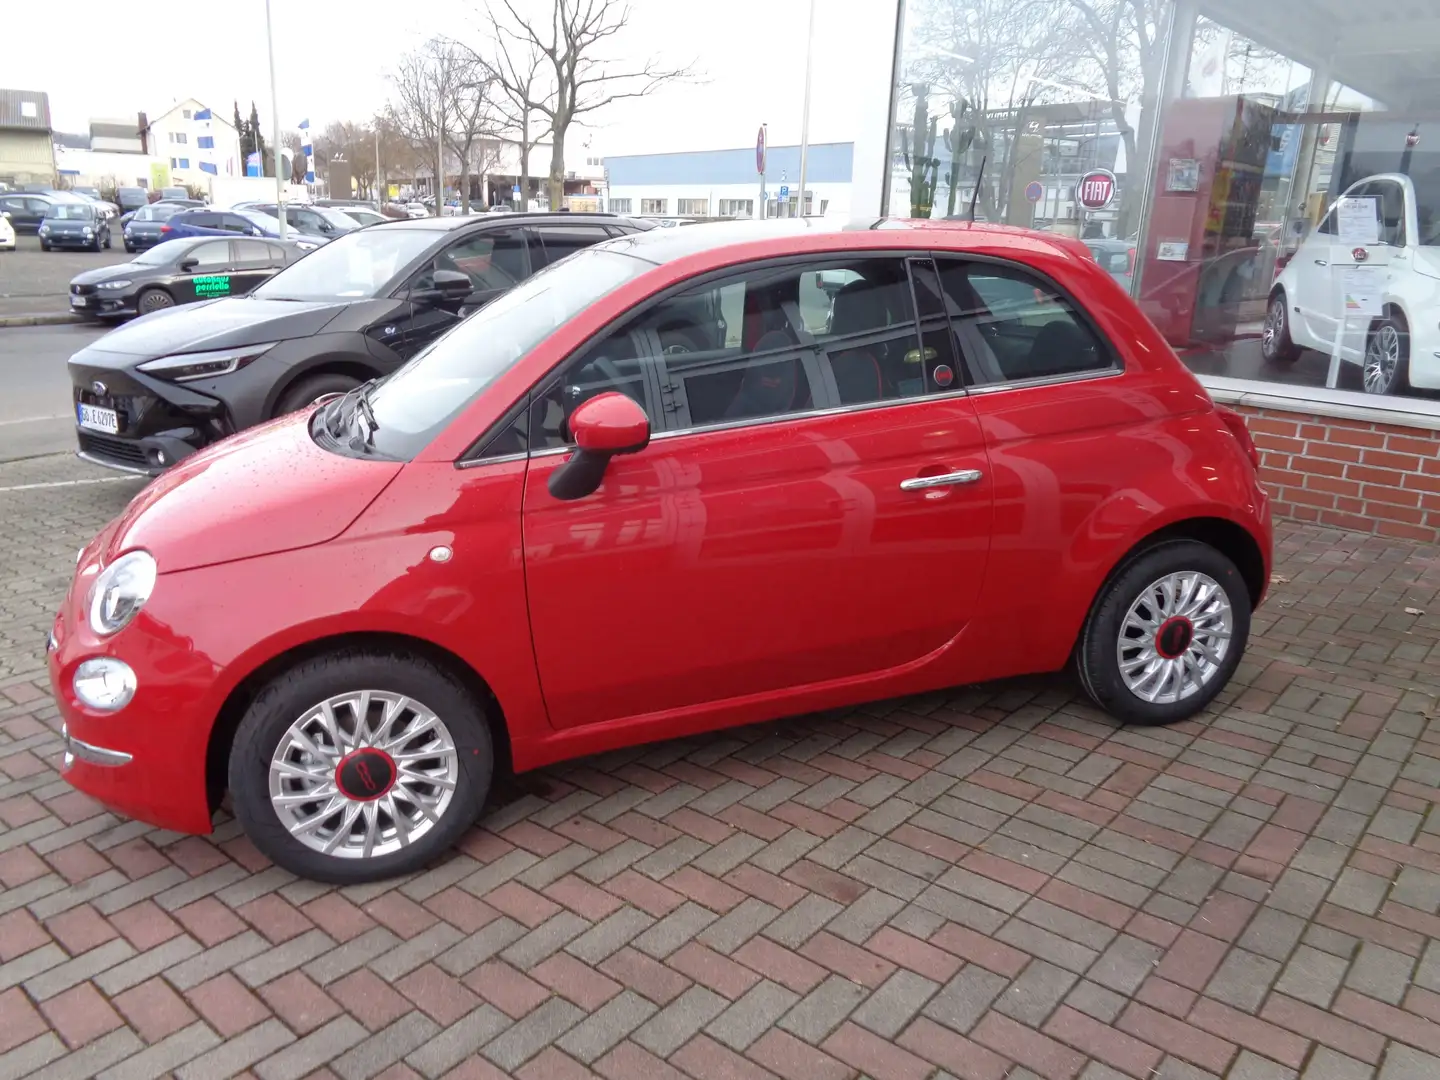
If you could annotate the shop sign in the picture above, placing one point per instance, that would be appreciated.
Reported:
(1096, 189)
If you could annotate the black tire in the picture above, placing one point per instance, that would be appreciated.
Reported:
(44, 246)
(299, 690)
(1385, 367)
(107, 241)
(1275, 342)
(130, 248)
(1097, 656)
(310, 389)
(153, 299)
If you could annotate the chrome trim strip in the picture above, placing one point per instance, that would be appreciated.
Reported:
(492, 460)
(111, 465)
(1048, 380)
(920, 483)
(94, 755)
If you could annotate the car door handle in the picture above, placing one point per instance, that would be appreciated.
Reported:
(920, 483)
(1321, 262)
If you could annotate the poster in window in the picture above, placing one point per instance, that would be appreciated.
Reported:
(1184, 175)
(1357, 221)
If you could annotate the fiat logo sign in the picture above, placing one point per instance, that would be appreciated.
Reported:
(1096, 189)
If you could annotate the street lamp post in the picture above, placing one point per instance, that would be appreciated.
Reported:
(275, 120)
(805, 109)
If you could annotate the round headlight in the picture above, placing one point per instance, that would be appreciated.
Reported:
(104, 683)
(121, 591)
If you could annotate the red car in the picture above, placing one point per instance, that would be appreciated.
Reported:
(682, 480)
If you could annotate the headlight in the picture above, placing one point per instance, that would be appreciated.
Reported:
(122, 283)
(204, 365)
(44, 230)
(121, 591)
(89, 231)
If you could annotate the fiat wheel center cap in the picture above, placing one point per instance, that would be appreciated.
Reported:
(1174, 637)
(365, 774)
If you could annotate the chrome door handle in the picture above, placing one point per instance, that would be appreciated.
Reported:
(1321, 262)
(920, 483)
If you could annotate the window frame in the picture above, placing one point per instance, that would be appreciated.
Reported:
(1078, 311)
(820, 375)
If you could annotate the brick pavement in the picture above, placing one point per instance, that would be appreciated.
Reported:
(989, 883)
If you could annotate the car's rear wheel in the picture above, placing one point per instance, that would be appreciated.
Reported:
(360, 765)
(1386, 367)
(153, 299)
(309, 390)
(1165, 634)
(1275, 342)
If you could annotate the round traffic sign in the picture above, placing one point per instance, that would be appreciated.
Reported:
(760, 151)
(1033, 191)
(1096, 189)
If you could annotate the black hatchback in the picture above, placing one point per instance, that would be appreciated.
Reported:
(156, 390)
(74, 225)
(179, 272)
(144, 228)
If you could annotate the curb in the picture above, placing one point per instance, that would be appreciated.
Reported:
(49, 318)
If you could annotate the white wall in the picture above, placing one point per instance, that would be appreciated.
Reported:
(91, 167)
(874, 22)
(227, 145)
(838, 195)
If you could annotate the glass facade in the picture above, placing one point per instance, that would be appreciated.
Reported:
(1263, 178)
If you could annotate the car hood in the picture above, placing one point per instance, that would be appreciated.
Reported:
(266, 490)
(65, 225)
(220, 324)
(109, 273)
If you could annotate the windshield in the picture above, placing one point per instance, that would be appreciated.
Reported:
(265, 221)
(161, 254)
(364, 217)
(71, 212)
(355, 266)
(157, 212)
(341, 221)
(415, 404)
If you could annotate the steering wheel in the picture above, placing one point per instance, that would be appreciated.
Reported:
(609, 370)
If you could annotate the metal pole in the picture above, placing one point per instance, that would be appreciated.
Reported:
(805, 109)
(379, 207)
(439, 146)
(761, 206)
(275, 121)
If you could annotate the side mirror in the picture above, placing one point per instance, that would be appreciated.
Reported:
(447, 287)
(188, 264)
(606, 425)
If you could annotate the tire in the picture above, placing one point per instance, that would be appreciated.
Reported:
(1385, 368)
(107, 241)
(44, 246)
(130, 248)
(153, 299)
(1169, 694)
(308, 390)
(1275, 342)
(339, 679)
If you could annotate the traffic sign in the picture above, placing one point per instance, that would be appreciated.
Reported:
(760, 151)
(784, 191)
(1096, 189)
(1033, 191)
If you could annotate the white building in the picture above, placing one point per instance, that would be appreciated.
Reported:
(112, 155)
(174, 137)
(725, 183)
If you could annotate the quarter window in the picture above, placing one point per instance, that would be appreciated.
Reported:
(252, 255)
(565, 240)
(1013, 327)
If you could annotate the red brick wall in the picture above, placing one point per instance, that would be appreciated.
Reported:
(1373, 478)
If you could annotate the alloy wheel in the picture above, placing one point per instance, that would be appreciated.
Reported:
(1382, 360)
(1174, 638)
(1274, 326)
(363, 774)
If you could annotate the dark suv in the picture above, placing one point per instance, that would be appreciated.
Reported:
(156, 390)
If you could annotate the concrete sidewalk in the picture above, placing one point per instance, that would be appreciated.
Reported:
(990, 883)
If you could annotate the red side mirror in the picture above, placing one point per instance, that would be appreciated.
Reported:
(610, 423)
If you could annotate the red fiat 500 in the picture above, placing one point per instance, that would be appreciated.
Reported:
(686, 479)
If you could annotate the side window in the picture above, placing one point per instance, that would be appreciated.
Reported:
(862, 318)
(1327, 224)
(252, 255)
(492, 260)
(1012, 327)
(210, 257)
(562, 240)
(203, 221)
(236, 224)
(278, 255)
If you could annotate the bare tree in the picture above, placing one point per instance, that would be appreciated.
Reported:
(423, 107)
(476, 119)
(578, 78)
(517, 67)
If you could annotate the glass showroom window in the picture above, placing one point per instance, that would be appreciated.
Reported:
(620, 206)
(692, 207)
(737, 208)
(653, 206)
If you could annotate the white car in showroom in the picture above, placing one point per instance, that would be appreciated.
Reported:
(1397, 348)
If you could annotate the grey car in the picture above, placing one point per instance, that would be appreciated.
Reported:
(142, 230)
(74, 225)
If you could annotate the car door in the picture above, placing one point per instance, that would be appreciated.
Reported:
(1312, 308)
(1382, 259)
(813, 510)
(204, 273)
(253, 263)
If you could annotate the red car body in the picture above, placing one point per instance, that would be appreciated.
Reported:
(719, 577)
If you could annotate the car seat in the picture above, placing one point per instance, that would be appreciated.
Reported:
(1060, 348)
(857, 307)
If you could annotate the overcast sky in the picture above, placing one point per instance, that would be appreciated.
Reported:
(332, 61)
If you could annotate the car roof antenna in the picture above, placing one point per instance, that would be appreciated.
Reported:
(976, 193)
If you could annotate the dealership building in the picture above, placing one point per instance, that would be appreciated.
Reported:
(1263, 178)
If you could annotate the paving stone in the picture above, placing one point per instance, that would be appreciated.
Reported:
(603, 1029)
(1380, 973)
(752, 1015)
(322, 1046)
(672, 1027)
(372, 1055)
(894, 1003)
(823, 1009)
(1032, 997)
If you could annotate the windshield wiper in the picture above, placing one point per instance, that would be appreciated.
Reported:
(365, 409)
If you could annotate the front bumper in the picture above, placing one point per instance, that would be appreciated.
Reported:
(147, 760)
(159, 423)
(72, 241)
(102, 301)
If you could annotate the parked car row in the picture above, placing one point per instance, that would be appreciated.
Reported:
(662, 481)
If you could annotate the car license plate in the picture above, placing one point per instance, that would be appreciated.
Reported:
(98, 419)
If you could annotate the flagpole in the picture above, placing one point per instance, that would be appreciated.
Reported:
(275, 121)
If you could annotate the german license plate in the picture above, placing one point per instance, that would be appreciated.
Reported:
(98, 419)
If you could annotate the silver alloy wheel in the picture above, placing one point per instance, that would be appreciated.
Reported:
(363, 774)
(1175, 637)
(1382, 360)
(154, 300)
(1274, 327)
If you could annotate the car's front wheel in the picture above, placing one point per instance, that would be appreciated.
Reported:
(1386, 367)
(1165, 634)
(309, 390)
(360, 765)
(1276, 344)
(153, 299)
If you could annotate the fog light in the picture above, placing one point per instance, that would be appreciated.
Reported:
(104, 683)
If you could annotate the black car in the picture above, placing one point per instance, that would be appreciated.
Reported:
(142, 227)
(179, 272)
(131, 198)
(156, 390)
(312, 220)
(74, 225)
(26, 209)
